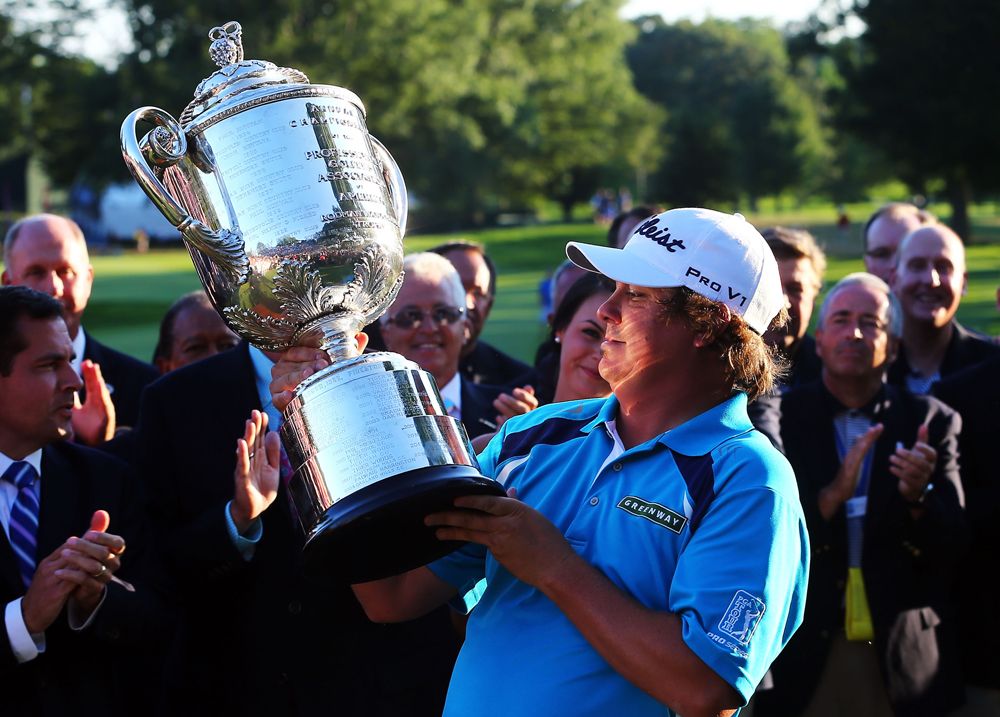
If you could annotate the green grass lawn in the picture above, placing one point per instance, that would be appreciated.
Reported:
(132, 290)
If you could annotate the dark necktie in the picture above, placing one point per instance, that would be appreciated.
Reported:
(23, 527)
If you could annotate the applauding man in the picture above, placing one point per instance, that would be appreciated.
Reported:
(878, 475)
(62, 613)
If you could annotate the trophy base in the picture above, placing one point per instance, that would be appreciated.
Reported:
(379, 530)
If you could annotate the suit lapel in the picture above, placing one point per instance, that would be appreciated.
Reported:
(822, 426)
(61, 503)
(57, 520)
(237, 364)
(883, 484)
(91, 348)
(477, 410)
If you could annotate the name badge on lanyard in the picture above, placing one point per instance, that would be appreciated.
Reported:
(856, 507)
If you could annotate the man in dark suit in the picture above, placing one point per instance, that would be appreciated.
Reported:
(64, 622)
(49, 254)
(255, 636)
(429, 324)
(878, 477)
(930, 279)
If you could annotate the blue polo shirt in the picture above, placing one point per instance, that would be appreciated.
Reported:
(703, 521)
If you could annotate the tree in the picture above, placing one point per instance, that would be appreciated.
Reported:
(16, 55)
(53, 107)
(924, 90)
(853, 164)
(738, 123)
(485, 104)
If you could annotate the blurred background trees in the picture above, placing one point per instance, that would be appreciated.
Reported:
(492, 107)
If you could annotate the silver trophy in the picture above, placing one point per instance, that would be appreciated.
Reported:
(293, 215)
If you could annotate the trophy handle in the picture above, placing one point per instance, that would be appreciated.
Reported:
(165, 146)
(394, 181)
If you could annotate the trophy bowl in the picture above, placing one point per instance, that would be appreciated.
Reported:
(294, 215)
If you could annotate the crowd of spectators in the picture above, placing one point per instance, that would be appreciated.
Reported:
(883, 414)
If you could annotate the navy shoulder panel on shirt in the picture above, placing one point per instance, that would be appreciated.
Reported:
(700, 479)
(552, 431)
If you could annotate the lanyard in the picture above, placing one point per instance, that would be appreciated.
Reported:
(857, 506)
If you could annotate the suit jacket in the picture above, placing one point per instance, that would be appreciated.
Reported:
(478, 414)
(82, 672)
(965, 349)
(125, 376)
(908, 564)
(257, 638)
(806, 365)
(488, 364)
(975, 394)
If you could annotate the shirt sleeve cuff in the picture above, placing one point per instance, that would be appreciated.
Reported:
(23, 644)
(246, 543)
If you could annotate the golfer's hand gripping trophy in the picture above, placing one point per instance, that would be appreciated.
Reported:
(293, 215)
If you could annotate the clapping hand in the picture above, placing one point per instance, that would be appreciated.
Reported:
(520, 400)
(846, 481)
(914, 467)
(258, 467)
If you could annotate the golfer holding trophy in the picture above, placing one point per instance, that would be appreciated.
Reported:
(293, 215)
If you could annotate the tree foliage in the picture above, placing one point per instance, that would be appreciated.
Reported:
(486, 104)
(924, 89)
(738, 124)
(56, 106)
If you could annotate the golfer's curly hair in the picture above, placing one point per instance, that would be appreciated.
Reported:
(751, 365)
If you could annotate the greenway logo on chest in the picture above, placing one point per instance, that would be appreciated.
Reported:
(654, 512)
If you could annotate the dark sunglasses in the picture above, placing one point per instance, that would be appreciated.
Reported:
(412, 318)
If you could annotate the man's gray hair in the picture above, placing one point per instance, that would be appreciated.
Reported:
(435, 268)
(894, 312)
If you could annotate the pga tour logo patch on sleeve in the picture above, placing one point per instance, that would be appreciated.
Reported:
(742, 617)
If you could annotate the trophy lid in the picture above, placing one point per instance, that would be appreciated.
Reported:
(227, 88)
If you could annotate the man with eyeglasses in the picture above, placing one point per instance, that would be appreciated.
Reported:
(878, 476)
(883, 232)
(428, 324)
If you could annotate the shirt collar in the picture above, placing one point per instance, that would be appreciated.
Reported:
(35, 459)
(697, 436)
(874, 409)
(452, 391)
(79, 346)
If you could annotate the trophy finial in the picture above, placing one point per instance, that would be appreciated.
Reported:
(227, 44)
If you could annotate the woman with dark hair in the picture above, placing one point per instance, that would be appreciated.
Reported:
(567, 361)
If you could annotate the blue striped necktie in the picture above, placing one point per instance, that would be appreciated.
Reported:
(23, 517)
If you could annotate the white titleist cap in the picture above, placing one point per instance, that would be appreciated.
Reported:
(720, 256)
